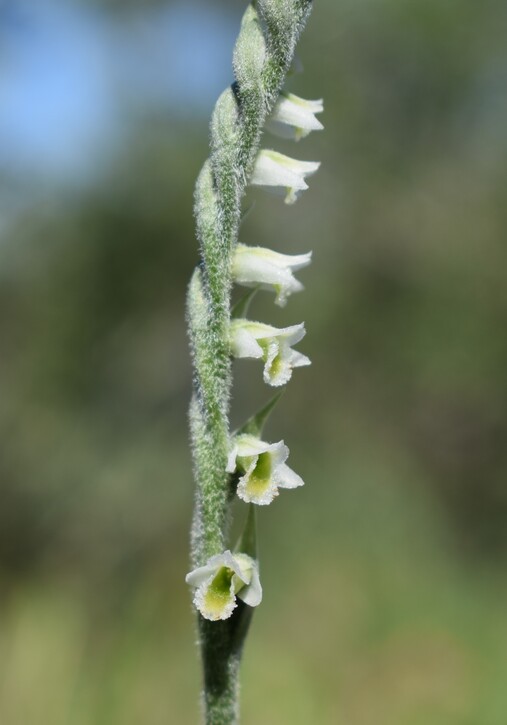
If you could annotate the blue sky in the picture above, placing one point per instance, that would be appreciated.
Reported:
(71, 78)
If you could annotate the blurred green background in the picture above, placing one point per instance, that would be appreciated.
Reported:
(384, 577)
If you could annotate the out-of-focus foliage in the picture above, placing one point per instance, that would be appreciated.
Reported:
(384, 577)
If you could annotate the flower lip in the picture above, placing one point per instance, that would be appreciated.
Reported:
(223, 578)
(263, 467)
(273, 345)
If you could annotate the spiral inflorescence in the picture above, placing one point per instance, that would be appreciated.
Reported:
(263, 55)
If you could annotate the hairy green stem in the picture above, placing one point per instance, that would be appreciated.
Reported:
(262, 56)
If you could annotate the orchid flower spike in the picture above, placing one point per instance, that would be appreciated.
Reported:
(220, 580)
(277, 171)
(294, 117)
(272, 345)
(261, 267)
(263, 467)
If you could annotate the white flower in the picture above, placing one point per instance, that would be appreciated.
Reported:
(281, 172)
(258, 266)
(263, 467)
(294, 117)
(272, 345)
(224, 577)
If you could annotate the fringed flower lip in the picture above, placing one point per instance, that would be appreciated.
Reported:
(264, 268)
(282, 174)
(223, 578)
(263, 469)
(271, 344)
(294, 117)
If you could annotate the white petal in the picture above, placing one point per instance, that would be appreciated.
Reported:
(248, 445)
(273, 169)
(298, 360)
(259, 330)
(229, 560)
(315, 106)
(252, 594)
(294, 117)
(284, 291)
(287, 478)
(220, 559)
(243, 343)
(279, 453)
(292, 334)
(245, 255)
(231, 460)
(301, 168)
(196, 577)
(246, 565)
(277, 370)
(258, 266)
(268, 171)
(294, 261)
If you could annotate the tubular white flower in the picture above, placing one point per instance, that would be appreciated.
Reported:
(272, 345)
(279, 172)
(261, 267)
(224, 577)
(294, 117)
(263, 467)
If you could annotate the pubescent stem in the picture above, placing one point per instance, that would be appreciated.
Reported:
(262, 57)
